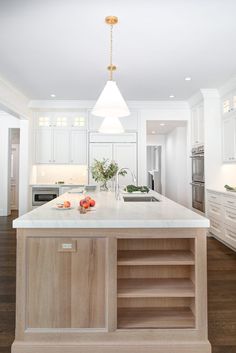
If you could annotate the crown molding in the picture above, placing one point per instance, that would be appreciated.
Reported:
(229, 86)
(88, 104)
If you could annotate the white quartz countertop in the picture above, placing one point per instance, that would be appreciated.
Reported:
(223, 191)
(111, 213)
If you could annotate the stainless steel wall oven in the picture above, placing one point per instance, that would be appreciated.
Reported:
(198, 179)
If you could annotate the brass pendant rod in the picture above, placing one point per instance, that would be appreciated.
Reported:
(111, 53)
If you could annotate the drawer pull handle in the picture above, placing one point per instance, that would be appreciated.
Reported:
(215, 210)
(232, 217)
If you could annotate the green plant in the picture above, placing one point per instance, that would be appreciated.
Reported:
(104, 170)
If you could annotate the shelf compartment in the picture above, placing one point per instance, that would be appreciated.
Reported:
(155, 257)
(155, 288)
(148, 318)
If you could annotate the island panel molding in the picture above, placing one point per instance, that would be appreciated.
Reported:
(84, 313)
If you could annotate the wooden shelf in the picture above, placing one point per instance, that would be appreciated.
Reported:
(155, 257)
(133, 318)
(155, 288)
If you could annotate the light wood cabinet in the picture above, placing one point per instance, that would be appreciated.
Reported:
(111, 290)
(229, 139)
(69, 289)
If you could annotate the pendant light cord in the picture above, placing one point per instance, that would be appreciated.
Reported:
(111, 53)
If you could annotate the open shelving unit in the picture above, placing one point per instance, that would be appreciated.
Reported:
(156, 283)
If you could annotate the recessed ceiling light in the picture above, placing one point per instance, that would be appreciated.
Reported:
(172, 96)
(162, 124)
(188, 78)
(53, 95)
(153, 131)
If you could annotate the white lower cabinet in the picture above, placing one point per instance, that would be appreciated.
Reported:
(221, 210)
(60, 146)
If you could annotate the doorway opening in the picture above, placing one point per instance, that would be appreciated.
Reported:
(14, 153)
(167, 159)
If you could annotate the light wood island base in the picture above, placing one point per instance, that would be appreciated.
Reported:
(111, 291)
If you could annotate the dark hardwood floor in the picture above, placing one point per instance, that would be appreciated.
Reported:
(221, 291)
(7, 282)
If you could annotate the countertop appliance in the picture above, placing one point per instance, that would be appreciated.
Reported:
(198, 179)
(41, 195)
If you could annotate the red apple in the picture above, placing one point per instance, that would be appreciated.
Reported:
(85, 204)
(92, 203)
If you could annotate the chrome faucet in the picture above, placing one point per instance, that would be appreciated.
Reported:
(117, 186)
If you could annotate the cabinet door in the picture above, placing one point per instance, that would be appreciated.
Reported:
(78, 147)
(61, 146)
(195, 126)
(99, 151)
(125, 155)
(44, 120)
(201, 124)
(229, 143)
(66, 282)
(43, 146)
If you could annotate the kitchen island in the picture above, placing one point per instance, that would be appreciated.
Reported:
(124, 277)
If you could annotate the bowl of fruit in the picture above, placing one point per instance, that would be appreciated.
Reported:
(86, 203)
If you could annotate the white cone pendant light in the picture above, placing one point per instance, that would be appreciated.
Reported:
(110, 104)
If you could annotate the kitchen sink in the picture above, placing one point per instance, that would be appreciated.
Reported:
(140, 199)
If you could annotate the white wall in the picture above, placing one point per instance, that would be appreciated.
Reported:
(176, 166)
(6, 122)
(49, 174)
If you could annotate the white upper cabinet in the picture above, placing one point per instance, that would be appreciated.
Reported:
(78, 147)
(63, 120)
(229, 104)
(129, 123)
(61, 137)
(43, 146)
(197, 119)
(99, 151)
(229, 140)
(61, 146)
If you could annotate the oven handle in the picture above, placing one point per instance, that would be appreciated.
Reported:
(198, 184)
(198, 156)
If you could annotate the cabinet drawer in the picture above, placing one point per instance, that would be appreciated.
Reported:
(214, 197)
(216, 227)
(230, 235)
(230, 216)
(214, 210)
(229, 201)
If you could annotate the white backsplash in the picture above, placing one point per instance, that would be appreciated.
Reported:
(49, 174)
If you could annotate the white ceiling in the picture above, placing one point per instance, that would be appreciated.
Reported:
(156, 127)
(61, 47)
